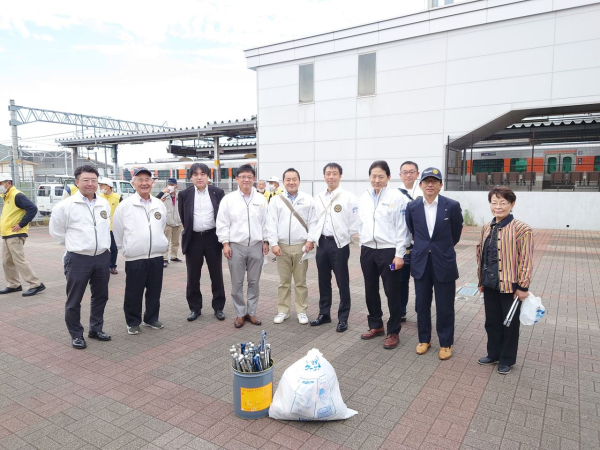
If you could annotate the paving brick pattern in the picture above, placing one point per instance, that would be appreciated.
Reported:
(172, 388)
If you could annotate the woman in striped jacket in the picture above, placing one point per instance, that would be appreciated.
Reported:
(505, 264)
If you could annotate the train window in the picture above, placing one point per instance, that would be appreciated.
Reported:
(552, 164)
(225, 173)
(597, 164)
(164, 174)
(518, 165)
(488, 166)
(307, 83)
(567, 162)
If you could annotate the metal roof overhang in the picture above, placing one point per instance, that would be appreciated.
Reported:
(517, 115)
(245, 128)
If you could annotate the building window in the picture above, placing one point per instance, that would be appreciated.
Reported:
(307, 83)
(367, 65)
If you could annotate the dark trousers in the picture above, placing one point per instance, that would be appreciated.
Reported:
(375, 263)
(331, 258)
(404, 288)
(79, 271)
(142, 275)
(503, 342)
(203, 246)
(114, 251)
(444, 305)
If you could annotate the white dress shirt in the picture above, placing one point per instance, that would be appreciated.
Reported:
(327, 227)
(430, 214)
(204, 213)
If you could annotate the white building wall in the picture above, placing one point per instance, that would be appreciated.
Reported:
(439, 73)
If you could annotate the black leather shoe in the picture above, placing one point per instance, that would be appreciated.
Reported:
(341, 327)
(487, 361)
(165, 263)
(176, 260)
(79, 343)
(8, 290)
(34, 290)
(504, 370)
(100, 335)
(194, 315)
(402, 319)
(219, 314)
(320, 320)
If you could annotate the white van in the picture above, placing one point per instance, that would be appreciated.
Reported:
(48, 195)
(123, 187)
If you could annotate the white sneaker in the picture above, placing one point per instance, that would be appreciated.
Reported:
(302, 318)
(279, 318)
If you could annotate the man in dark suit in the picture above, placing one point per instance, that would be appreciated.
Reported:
(198, 207)
(436, 224)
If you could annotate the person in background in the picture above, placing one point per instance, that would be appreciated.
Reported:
(113, 199)
(383, 241)
(261, 187)
(274, 185)
(337, 222)
(409, 187)
(436, 224)
(505, 268)
(242, 229)
(291, 216)
(18, 211)
(81, 223)
(139, 229)
(198, 208)
(173, 226)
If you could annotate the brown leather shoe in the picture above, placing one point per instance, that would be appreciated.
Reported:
(391, 341)
(253, 320)
(114, 270)
(373, 332)
(422, 348)
(445, 353)
(239, 322)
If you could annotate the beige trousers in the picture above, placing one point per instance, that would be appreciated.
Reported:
(14, 263)
(173, 235)
(288, 266)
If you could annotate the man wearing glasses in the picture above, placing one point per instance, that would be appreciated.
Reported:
(436, 224)
(242, 229)
(81, 223)
(198, 208)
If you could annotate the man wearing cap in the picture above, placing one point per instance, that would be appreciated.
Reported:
(81, 223)
(113, 199)
(173, 227)
(18, 211)
(242, 229)
(436, 224)
(198, 208)
(274, 184)
(139, 229)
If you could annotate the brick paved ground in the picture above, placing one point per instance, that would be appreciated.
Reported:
(171, 388)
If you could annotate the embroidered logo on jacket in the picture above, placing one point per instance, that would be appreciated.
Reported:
(337, 208)
(103, 214)
(157, 215)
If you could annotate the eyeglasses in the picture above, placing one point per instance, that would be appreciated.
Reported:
(88, 181)
(408, 172)
(433, 182)
(248, 177)
(501, 204)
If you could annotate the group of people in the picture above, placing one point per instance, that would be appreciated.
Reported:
(403, 232)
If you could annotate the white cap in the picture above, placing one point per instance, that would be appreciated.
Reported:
(107, 181)
(5, 177)
(274, 179)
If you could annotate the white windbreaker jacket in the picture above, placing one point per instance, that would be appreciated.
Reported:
(283, 227)
(79, 228)
(382, 221)
(342, 207)
(140, 233)
(241, 223)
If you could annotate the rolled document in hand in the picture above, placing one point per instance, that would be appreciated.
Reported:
(307, 255)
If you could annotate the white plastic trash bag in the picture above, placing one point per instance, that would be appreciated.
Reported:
(309, 390)
(532, 310)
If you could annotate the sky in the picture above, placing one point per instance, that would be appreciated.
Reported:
(178, 62)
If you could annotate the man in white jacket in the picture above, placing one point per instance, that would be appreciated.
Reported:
(291, 216)
(139, 230)
(384, 237)
(81, 223)
(337, 222)
(242, 229)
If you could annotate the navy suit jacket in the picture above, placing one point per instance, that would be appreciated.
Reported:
(446, 234)
(186, 210)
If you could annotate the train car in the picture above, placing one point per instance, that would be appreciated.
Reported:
(163, 169)
(556, 166)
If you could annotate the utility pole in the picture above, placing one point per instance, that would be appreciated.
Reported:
(15, 144)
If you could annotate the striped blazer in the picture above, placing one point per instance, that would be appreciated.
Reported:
(515, 255)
